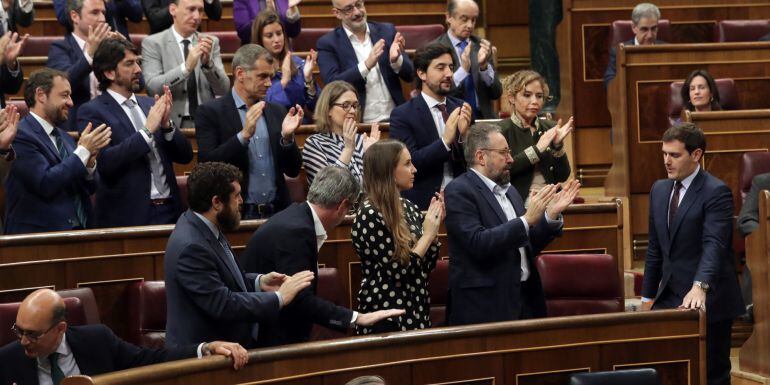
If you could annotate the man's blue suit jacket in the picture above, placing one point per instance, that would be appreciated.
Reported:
(123, 196)
(337, 61)
(412, 123)
(205, 300)
(39, 187)
(696, 247)
(96, 350)
(484, 258)
(65, 55)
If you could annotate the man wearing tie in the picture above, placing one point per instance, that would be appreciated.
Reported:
(50, 182)
(475, 79)
(690, 262)
(187, 62)
(432, 125)
(74, 54)
(116, 14)
(137, 182)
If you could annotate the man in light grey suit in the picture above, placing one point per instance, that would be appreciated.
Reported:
(475, 79)
(188, 62)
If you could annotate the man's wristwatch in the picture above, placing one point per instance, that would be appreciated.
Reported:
(703, 285)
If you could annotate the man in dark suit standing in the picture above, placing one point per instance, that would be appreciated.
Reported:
(11, 75)
(689, 262)
(493, 240)
(370, 56)
(74, 54)
(289, 242)
(48, 350)
(15, 13)
(49, 185)
(136, 170)
(208, 295)
(432, 125)
(117, 12)
(475, 79)
(242, 129)
(159, 17)
(644, 18)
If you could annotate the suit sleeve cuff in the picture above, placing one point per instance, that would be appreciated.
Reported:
(354, 318)
(488, 76)
(200, 349)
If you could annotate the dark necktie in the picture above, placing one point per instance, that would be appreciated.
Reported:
(192, 84)
(231, 259)
(674, 205)
(470, 86)
(57, 375)
(444, 113)
(80, 210)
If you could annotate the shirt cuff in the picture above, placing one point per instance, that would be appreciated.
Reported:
(88, 57)
(83, 154)
(146, 136)
(354, 318)
(445, 145)
(363, 70)
(184, 69)
(287, 145)
(488, 76)
(292, 17)
(280, 299)
(257, 289)
(526, 225)
(26, 6)
(200, 350)
(459, 76)
(397, 65)
(556, 221)
(169, 136)
(241, 138)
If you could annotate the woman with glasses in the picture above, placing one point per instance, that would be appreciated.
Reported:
(337, 141)
(293, 81)
(537, 145)
(396, 243)
(244, 12)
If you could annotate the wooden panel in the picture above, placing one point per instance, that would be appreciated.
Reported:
(519, 352)
(500, 36)
(587, 139)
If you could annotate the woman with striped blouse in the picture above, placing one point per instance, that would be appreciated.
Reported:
(337, 141)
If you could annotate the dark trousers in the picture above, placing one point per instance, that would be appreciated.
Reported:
(527, 308)
(164, 214)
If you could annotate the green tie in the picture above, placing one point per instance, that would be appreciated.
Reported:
(56, 373)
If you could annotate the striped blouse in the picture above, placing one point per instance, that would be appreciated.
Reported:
(323, 150)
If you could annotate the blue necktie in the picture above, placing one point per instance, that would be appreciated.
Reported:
(470, 86)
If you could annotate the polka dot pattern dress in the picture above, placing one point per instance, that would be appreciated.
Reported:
(385, 283)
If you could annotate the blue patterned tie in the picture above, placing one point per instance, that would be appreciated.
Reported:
(470, 86)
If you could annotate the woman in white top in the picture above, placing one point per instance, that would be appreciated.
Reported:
(337, 141)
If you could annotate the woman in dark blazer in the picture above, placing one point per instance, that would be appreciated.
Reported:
(537, 145)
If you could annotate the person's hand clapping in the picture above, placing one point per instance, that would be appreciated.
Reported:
(310, 63)
(434, 216)
(563, 198)
(397, 48)
(484, 54)
(95, 139)
(292, 121)
(538, 203)
(371, 137)
(252, 115)
(465, 58)
(546, 139)
(563, 130)
(374, 54)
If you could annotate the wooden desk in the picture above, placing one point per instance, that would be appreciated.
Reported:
(520, 352)
(583, 45)
(108, 260)
(638, 103)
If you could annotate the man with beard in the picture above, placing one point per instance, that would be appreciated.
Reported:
(208, 295)
(493, 240)
(331, 196)
(370, 56)
(50, 182)
(432, 125)
(241, 129)
(137, 185)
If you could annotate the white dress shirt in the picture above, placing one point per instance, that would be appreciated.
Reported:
(379, 103)
(81, 152)
(92, 82)
(438, 120)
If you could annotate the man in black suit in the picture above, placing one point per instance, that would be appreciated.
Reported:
(159, 16)
(493, 239)
(242, 129)
(432, 125)
(208, 295)
(475, 79)
(645, 18)
(11, 75)
(689, 262)
(48, 350)
(289, 243)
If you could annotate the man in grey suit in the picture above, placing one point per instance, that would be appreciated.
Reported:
(475, 79)
(188, 62)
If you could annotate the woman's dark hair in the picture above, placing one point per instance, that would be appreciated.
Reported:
(687, 103)
(264, 19)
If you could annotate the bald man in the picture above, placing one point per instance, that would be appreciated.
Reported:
(48, 349)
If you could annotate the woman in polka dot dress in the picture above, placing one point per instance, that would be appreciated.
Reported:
(397, 245)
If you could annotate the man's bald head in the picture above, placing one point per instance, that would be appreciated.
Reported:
(461, 17)
(41, 315)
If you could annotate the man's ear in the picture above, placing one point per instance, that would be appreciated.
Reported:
(697, 154)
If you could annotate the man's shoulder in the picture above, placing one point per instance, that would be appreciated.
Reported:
(328, 38)
(157, 37)
(461, 183)
(11, 351)
(407, 107)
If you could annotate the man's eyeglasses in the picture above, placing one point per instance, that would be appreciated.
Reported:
(503, 152)
(347, 105)
(32, 335)
(349, 9)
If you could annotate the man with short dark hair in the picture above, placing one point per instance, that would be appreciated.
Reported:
(689, 262)
(244, 130)
(136, 169)
(188, 62)
(493, 238)
(644, 18)
(208, 295)
(50, 183)
(432, 125)
(331, 196)
(48, 349)
(475, 79)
